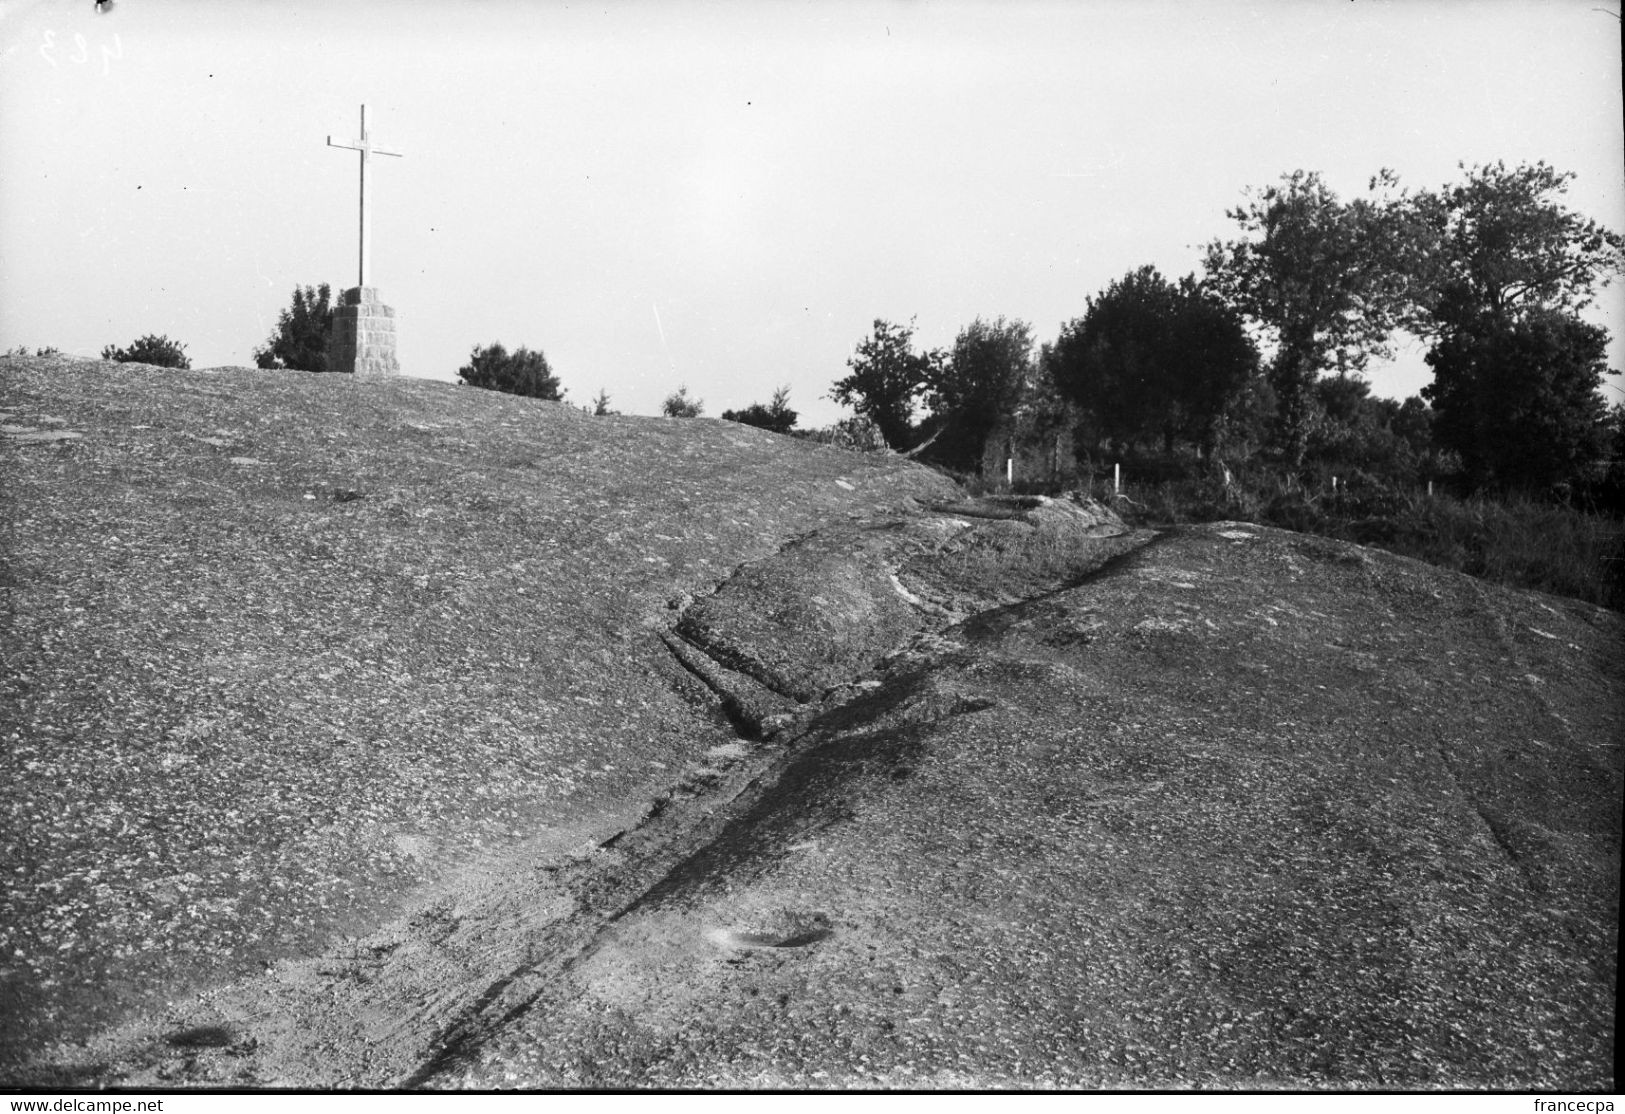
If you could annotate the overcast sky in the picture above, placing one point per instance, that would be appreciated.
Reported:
(728, 194)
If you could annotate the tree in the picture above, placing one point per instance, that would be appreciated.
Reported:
(680, 405)
(299, 342)
(1516, 371)
(522, 372)
(887, 376)
(1412, 422)
(1506, 246)
(1153, 360)
(775, 416)
(1326, 282)
(1380, 437)
(1248, 420)
(1047, 418)
(976, 387)
(1212, 370)
(1614, 424)
(1108, 361)
(150, 349)
(1519, 399)
(600, 405)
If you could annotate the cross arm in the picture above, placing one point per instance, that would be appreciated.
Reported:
(365, 148)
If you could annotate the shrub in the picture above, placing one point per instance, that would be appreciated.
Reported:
(680, 405)
(860, 435)
(776, 416)
(299, 341)
(521, 372)
(155, 350)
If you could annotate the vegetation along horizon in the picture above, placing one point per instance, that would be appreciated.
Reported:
(1237, 392)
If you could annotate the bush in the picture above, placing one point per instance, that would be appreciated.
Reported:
(155, 350)
(299, 341)
(860, 435)
(776, 416)
(521, 372)
(680, 405)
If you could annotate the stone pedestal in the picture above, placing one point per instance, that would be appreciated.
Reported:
(363, 336)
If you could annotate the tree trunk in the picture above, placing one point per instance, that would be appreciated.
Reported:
(1294, 375)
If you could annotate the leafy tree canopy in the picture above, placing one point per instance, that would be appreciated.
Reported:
(1357, 433)
(1519, 399)
(299, 341)
(978, 384)
(1151, 359)
(775, 416)
(150, 349)
(1325, 281)
(887, 377)
(1503, 246)
(522, 372)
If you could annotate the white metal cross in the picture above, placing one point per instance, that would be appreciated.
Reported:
(364, 145)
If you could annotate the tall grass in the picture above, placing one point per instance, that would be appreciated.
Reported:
(1513, 540)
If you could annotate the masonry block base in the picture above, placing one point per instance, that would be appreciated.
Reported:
(363, 336)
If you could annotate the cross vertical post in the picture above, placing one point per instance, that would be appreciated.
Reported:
(367, 149)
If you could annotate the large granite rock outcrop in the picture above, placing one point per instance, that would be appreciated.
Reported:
(395, 734)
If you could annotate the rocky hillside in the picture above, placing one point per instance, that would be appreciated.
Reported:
(402, 734)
